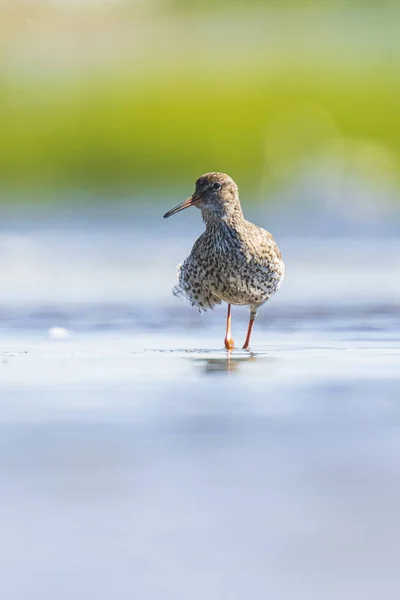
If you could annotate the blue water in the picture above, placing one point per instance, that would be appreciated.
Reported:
(140, 460)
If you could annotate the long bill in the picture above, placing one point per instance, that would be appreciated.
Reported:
(192, 201)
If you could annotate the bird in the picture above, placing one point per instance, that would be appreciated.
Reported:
(233, 261)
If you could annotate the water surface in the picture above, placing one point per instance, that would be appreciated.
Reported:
(141, 460)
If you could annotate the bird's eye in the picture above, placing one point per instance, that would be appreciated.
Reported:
(216, 185)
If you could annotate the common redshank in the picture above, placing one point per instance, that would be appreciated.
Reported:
(233, 261)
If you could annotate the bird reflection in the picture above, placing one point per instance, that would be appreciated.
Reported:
(224, 364)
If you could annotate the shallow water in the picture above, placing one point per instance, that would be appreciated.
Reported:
(141, 460)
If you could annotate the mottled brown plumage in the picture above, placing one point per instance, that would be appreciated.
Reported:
(233, 260)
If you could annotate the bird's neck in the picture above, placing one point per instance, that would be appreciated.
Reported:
(229, 219)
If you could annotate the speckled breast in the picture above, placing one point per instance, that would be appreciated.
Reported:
(245, 281)
(232, 277)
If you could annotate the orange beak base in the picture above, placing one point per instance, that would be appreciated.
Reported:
(192, 201)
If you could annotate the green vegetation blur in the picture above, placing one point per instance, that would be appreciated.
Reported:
(144, 96)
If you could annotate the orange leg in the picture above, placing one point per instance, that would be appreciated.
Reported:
(229, 343)
(251, 323)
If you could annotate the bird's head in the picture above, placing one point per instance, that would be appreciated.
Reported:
(216, 195)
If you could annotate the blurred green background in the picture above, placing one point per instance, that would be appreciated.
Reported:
(139, 97)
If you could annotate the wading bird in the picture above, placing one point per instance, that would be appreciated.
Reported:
(234, 260)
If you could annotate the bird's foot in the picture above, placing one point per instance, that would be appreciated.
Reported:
(229, 343)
